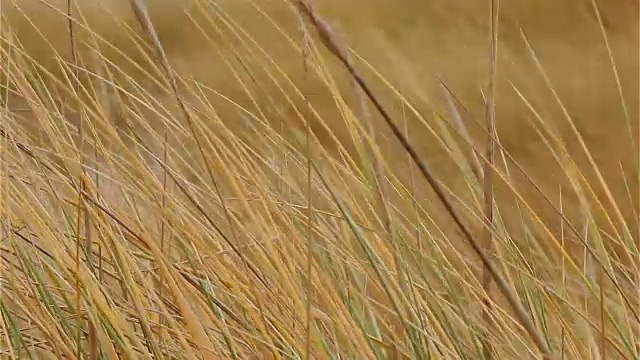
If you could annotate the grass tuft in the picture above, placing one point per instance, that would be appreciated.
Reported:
(286, 179)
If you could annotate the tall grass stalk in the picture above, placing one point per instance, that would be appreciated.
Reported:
(490, 163)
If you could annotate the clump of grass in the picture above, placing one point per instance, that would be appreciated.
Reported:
(148, 213)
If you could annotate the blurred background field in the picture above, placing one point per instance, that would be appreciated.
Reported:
(194, 201)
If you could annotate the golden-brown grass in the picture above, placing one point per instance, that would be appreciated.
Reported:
(242, 197)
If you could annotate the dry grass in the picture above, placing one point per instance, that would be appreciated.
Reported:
(229, 179)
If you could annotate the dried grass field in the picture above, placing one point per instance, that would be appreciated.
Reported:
(289, 179)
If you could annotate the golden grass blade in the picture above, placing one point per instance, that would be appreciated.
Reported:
(488, 171)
